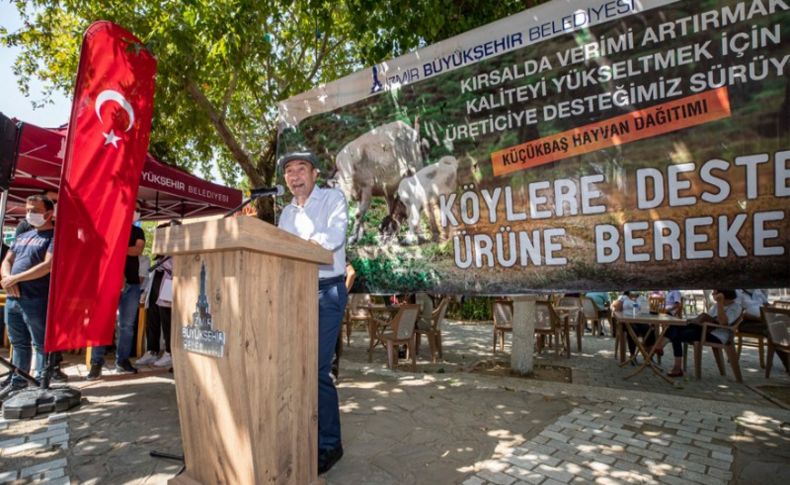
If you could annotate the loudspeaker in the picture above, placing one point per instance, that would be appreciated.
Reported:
(9, 146)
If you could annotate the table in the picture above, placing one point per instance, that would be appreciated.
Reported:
(662, 322)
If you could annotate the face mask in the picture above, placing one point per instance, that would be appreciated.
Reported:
(136, 216)
(35, 220)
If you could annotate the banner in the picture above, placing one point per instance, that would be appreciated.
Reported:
(105, 152)
(603, 145)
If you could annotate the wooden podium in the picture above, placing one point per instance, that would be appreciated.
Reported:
(244, 346)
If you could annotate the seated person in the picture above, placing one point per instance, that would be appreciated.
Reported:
(724, 312)
(392, 301)
(601, 298)
(617, 305)
(751, 301)
(672, 303)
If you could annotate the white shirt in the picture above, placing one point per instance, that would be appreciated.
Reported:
(751, 301)
(323, 219)
(673, 297)
(733, 311)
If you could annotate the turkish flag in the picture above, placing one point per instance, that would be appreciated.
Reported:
(105, 152)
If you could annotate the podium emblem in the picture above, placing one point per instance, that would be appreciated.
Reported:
(200, 337)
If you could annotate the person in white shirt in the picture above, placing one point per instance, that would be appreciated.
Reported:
(320, 216)
(751, 301)
(672, 303)
(724, 312)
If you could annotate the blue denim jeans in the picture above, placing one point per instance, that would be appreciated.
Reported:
(127, 311)
(331, 305)
(26, 320)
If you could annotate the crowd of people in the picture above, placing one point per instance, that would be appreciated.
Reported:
(728, 306)
(25, 276)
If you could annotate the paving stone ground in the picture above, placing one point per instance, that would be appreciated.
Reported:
(443, 424)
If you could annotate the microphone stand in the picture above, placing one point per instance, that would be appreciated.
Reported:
(14, 370)
(41, 399)
(239, 207)
(247, 201)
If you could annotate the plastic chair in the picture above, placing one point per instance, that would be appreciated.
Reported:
(595, 315)
(503, 321)
(356, 312)
(402, 332)
(778, 323)
(549, 324)
(434, 334)
(728, 347)
(756, 334)
(576, 319)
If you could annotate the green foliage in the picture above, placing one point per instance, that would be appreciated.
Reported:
(383, 273)
(149, 228)
(472, 308)
(389, 29)
(224, 64)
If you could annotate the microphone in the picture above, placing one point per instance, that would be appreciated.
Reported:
(276, 191)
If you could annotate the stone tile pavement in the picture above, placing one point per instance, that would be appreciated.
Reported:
(443, 424)
(596, 366)
(607, 443)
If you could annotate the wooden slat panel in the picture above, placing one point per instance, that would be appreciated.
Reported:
(251, 416)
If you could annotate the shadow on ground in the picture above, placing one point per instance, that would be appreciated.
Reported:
(121, 422)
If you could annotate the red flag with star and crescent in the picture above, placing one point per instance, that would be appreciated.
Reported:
(105, 152)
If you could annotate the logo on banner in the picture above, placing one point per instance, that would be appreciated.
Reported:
(377, 86)
(111, 95)
(200, 337)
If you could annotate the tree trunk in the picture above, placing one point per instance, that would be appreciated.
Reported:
(521, 352)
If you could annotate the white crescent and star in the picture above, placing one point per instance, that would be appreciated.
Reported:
(112, 95)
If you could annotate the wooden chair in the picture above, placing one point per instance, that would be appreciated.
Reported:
(402, 332)
(576, 319)
(503, 320)
(656, 304)
(778, 323)
(728, 347)
(549, 324)
(434, 334)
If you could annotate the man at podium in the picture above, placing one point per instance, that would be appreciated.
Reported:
(320, 216)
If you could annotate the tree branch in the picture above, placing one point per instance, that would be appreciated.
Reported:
(224, 132)
(228, 93)
(319, 57)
